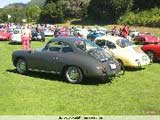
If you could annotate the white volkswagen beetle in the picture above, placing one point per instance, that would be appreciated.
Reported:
(124, 50)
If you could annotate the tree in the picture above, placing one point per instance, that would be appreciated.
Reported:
(40, 3)
(108, 10)
(52, 12)
(17, 11)
(140, 5)
(33, 13)
(76, 8)
(3, 16)
(55, 10)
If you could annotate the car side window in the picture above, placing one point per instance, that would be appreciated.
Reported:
(110, 45)
(67, 49)
(101, 43)
(54, 46)
(58, 46)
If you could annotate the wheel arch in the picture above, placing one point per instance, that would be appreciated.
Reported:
(17, 58)
(66, 66)
(149, 51)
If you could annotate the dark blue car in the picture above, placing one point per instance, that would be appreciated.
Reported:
(93, 35)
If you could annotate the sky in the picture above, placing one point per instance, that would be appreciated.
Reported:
(6, 2)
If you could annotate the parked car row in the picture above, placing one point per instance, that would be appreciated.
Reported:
(150, 44)
(14, 36)
(73, 58)
(76, 58)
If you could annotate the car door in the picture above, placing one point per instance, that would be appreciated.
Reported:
(45, 59)
(118, 52)
(65, 56)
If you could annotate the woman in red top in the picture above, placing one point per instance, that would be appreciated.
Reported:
(125, 31)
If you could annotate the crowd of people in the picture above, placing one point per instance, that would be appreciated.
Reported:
(123, 32)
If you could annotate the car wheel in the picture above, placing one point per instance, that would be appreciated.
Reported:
(150, 55)
(43, 40)
(21, 66)
(73, 75)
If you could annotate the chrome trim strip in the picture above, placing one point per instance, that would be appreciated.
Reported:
(37, 70)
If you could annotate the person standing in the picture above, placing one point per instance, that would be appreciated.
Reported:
(115, 31)
(125, 31)
(26, 37)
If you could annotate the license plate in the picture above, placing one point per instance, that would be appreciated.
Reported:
(113, 66)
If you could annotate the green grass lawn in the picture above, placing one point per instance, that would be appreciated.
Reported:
(135, 93)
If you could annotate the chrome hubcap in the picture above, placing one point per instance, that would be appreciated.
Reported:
(21, 66)
(73, 74)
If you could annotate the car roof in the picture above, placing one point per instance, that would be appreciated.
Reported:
(109, 38)
(69, 39)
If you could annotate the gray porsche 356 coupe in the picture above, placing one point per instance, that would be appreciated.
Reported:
(73, 58)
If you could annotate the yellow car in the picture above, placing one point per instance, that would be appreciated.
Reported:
(124, 51)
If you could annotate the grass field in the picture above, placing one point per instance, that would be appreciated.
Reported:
(135, 93)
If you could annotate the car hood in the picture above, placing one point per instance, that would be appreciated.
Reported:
(133, 52)
(150, 38)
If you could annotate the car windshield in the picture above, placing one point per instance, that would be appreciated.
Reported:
(124, 43)
(17, 31)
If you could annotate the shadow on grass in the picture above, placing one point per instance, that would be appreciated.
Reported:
(52, 77)
(40, 75)
(129, 69)
(156, 61)
(4, 40)
(14, 43)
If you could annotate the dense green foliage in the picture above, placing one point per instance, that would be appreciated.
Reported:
(40, 3)
(109, 10)
(20, 11)
(145, 4)
(60, 10)
(16, 11)
(33, 16)
(101, 11)
(52, 13)
(145, 18)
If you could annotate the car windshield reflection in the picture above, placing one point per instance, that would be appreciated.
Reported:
(124, 43)
(85, 45)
